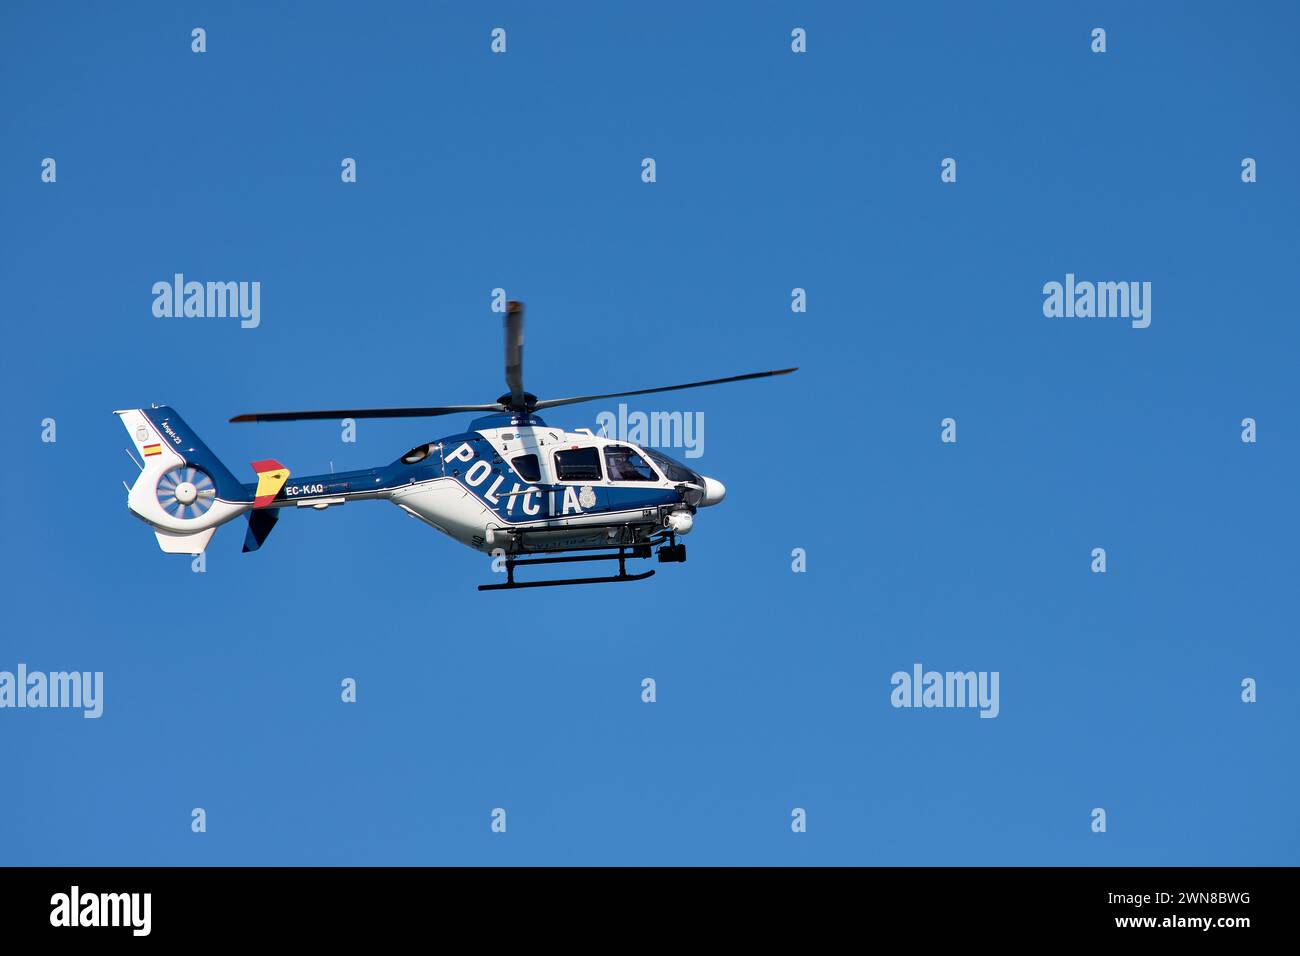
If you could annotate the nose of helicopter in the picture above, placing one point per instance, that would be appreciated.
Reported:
(714, 492)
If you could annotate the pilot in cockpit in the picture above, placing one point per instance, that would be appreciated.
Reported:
(626, 465)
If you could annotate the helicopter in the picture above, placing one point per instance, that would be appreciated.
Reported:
(510, 485)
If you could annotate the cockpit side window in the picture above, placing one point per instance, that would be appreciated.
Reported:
(578, 464)
(527, 467)
(417, 454)
(624, 464)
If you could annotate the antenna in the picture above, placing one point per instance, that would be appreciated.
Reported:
(132, 457)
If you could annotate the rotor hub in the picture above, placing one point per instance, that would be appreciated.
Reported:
(186, 493)
(530, 402)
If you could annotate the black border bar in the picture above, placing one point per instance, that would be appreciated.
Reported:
(533, 905)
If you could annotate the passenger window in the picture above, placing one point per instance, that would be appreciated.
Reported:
(578, 464)
(527, 467)
(624, 464)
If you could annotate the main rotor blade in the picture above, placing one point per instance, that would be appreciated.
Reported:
(553, 402)
(340, 413)
(515, 352)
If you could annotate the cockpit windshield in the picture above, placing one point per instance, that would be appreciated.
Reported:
(673, 470)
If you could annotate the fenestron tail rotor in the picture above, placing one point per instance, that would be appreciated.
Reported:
(186, 492)
(516, 400)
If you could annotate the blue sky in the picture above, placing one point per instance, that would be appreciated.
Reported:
(774, 171)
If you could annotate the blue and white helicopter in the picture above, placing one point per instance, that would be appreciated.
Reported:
(511, 485)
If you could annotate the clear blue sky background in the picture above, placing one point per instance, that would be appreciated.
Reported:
(774, 171)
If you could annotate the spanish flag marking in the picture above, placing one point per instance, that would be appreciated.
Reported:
(271, 476)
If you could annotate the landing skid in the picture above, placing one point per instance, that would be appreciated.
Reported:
(623, 554)
(609, 579)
